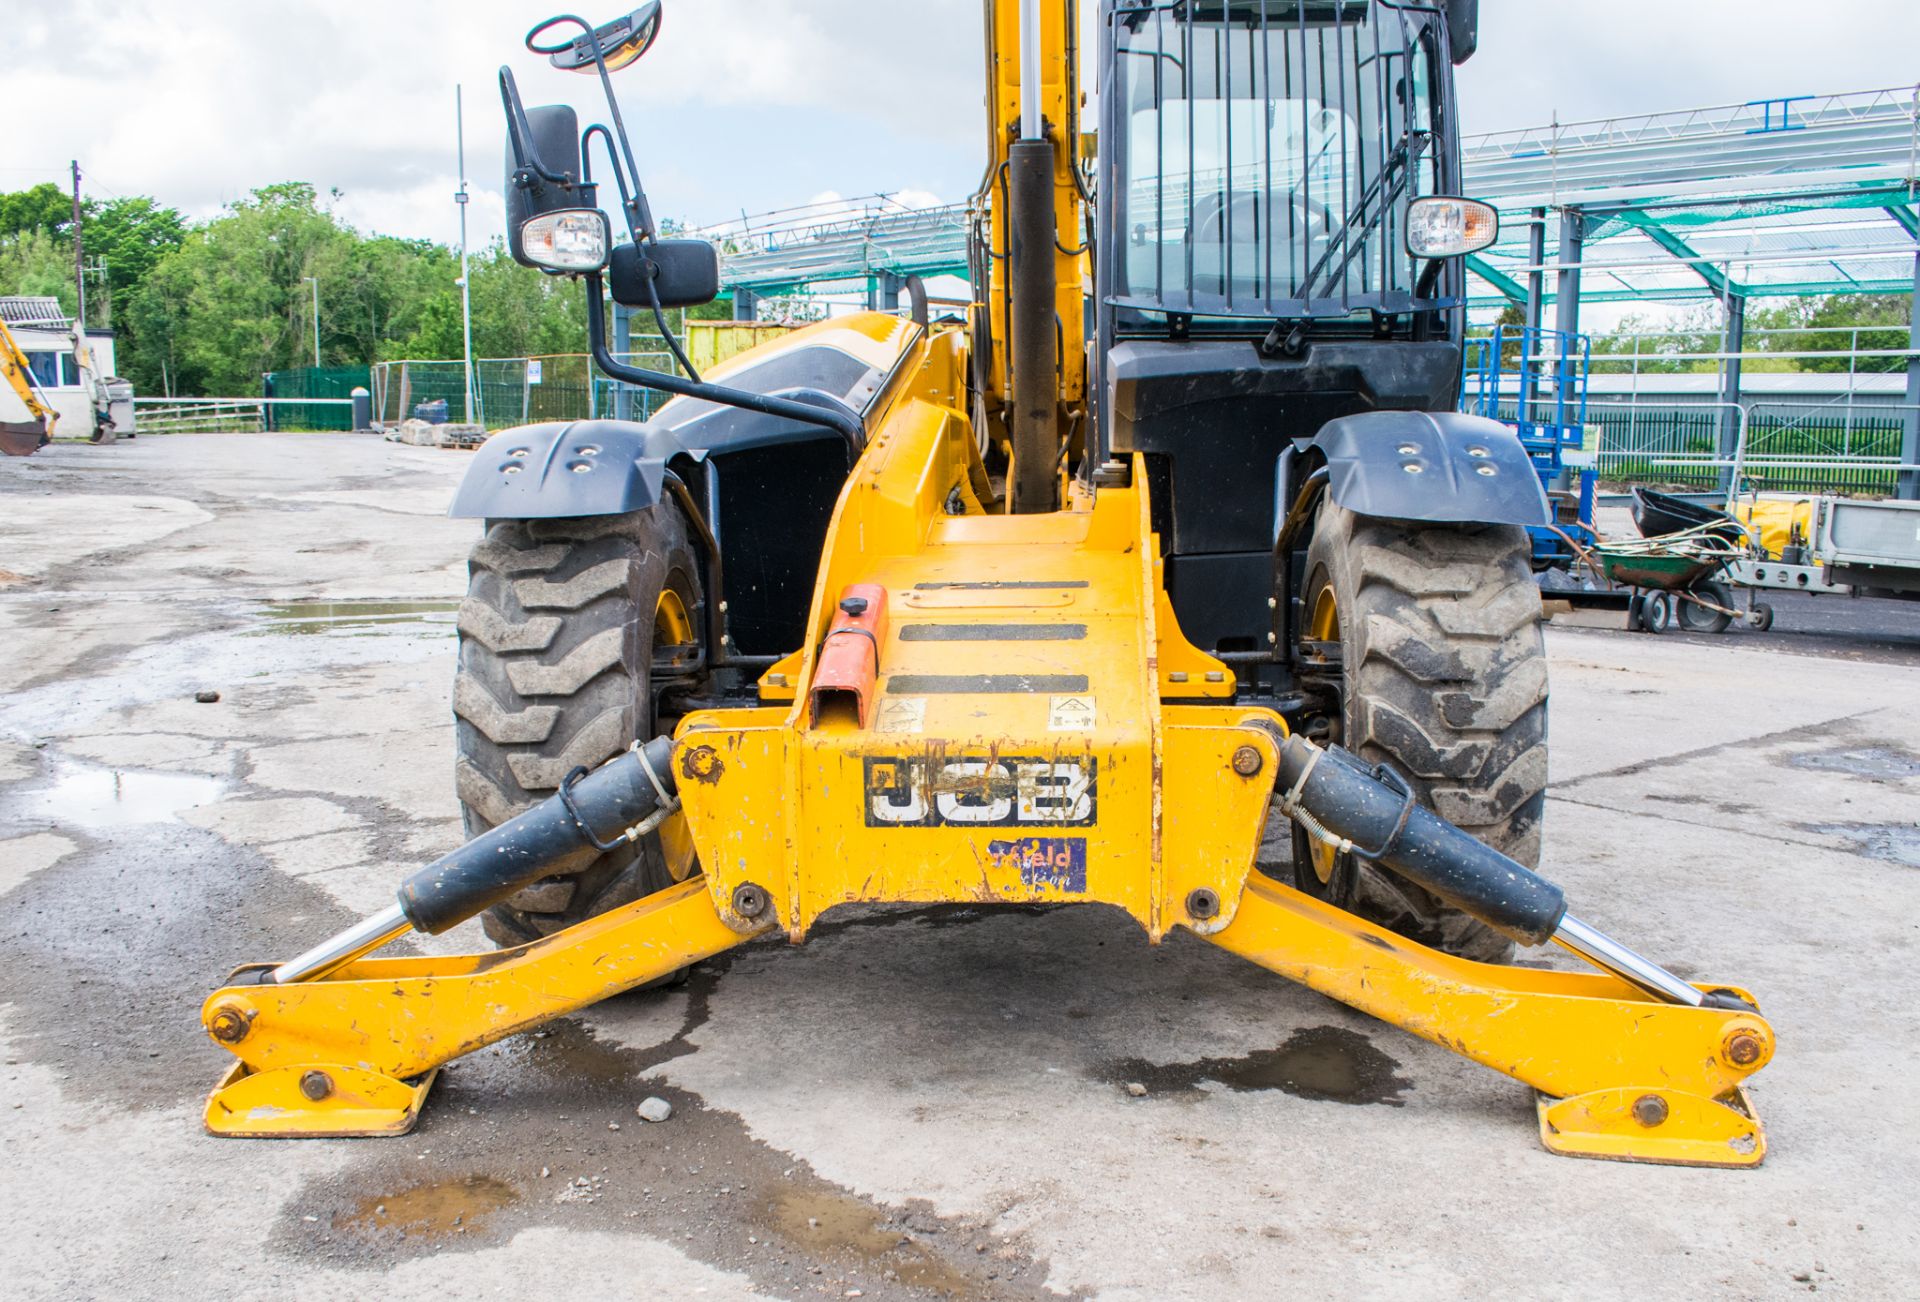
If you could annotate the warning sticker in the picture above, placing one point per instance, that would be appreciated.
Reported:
(1074, 713)
(902, 714)
(1056, 861)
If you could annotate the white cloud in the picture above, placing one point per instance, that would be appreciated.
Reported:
(745, 104)
(742, 103)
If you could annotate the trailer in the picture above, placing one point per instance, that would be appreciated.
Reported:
(1855, 549)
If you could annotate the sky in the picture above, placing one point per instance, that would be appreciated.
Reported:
(744, 105)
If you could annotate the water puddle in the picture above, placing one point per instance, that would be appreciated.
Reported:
(95, 797)
(1325, 1063)
(354, 618)
(436, 1209)
(829, 1224)
(1892, 842)
(568, 1052)
(1882, 763)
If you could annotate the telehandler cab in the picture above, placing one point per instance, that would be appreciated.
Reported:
(1175, 533)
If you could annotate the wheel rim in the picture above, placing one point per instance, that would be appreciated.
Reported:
(672, 626)
(673, 633)
(1323, 625)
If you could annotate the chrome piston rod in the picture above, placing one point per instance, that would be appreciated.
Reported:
(1610, 955)
(624, 799)
(363, 938)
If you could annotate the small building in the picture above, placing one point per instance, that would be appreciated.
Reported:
(45, 334)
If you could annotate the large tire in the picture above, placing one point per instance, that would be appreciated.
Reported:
(1444, 677)
(558, 635)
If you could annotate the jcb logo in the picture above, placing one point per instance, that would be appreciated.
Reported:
(1006, 791)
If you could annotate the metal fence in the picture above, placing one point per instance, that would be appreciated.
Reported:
(236, 415)
(1790, 447)
(509, 390)
(333, 384)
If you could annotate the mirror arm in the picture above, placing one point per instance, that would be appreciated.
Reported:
(634, 207)
(522, 131)
(843, 423)
(639, 214)
(638, 218)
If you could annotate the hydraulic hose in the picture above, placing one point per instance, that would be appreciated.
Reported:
(1371, 812)
(1376, 816)
(621, 800)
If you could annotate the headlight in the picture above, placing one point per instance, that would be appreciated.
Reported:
(1446, 228)
(573, 239)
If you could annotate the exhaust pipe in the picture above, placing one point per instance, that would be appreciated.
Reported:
(622, 800)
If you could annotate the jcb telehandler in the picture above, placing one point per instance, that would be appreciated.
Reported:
(1174, 533)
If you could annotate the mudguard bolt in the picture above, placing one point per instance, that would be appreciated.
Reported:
(229, 1024)
(749, 901)
(1202, 905)
(1743, 1048)
(1650, 1110)
(1247, 761)
(316, 1085)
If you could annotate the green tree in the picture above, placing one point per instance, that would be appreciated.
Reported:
(46, 207)
(33, 262)
(206, 308)
(236, 303)
(1828, 324)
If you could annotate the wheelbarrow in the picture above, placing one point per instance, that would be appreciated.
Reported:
(1674, 585)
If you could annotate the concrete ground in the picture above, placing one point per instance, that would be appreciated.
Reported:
(915, 1104)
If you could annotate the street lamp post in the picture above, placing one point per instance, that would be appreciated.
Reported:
(466, 290)
(314, 281)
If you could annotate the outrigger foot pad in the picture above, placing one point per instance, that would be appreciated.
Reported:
(330, 1102)
(1665, 1127)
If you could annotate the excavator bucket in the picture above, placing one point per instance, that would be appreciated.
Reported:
(22, 438)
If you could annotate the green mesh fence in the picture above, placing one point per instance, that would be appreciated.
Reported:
(510, 391)
(1652, 445)
(312, 382)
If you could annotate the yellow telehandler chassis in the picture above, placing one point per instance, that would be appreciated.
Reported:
(1036, 729)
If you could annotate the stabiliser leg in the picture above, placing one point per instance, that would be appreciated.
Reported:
(1629, 1063)
(335, 1043)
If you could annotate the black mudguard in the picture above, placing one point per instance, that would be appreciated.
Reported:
(567, 468)
(1440, 466)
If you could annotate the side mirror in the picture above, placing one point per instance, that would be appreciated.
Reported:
(618, 43)
(1463, 28)
(543, 168)
(685, 273)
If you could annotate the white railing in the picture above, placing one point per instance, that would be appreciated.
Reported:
(215, 415)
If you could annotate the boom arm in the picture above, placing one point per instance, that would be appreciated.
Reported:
(13, 363)
(1056, 399)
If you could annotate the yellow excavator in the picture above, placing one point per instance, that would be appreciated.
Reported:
(23, 438)
(1175, 534)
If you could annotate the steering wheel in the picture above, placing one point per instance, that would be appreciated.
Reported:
(1209, 215)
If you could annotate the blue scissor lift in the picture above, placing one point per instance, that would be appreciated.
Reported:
(1535, 381)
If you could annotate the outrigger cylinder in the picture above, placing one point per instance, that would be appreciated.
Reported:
(623, 799)
(1370, 811)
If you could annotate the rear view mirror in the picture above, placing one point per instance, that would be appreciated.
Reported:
(685, 273)
(619, 42)
(543, 167)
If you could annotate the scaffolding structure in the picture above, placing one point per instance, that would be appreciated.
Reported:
(1788, 197)
(875, 243)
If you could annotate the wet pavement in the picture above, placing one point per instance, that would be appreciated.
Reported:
(919, 1103)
